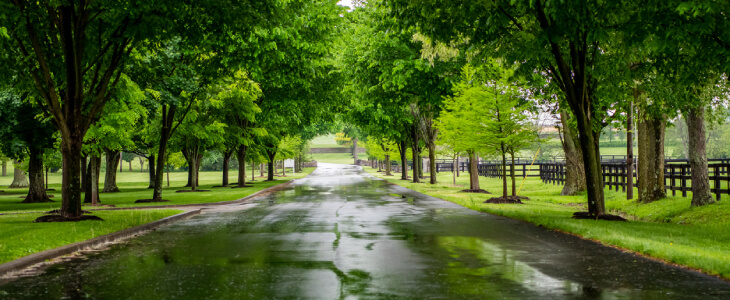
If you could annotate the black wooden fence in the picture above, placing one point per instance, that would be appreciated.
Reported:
(677, 176)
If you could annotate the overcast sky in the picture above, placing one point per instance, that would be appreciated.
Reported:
(347, 3)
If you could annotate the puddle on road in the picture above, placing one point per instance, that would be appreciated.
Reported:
(340, 234)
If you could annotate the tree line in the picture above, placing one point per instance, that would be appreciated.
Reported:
(92, 78)
(467, 74)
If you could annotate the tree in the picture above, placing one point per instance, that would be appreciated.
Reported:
(460, 123)
(199, 132)
(237, 109)
(26, 134)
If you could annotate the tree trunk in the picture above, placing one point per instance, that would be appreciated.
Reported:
(253, 169)
(5, 168)
(241, 155)
(354, 150)
(651, 159)
(414, 149)
(84, 170)
(402, 149)
(197, 169)
(19, 179)
(512, 174)
(473, 172)
(226, 161)
(110, 179)
(432, 159)
(36, 189)
(630, 152)
(130, 166)
(388, 166)
(168, 117)
(193, 171)
(454, 164)
(167, 167)
(592, 164)
(91, 194)
(151, 171)
(575, 180)
(701, 194)
(141, 165)
(261, 169)
(272, 155)
(457, 165)
(504, 171)
(71, 182)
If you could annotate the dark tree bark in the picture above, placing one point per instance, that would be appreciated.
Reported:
(241, 155)
(151, 171)
(130, 166)
(226, 161)
(512, 174)
(121, 164)
(701, 194)
(110, 179)
(84, 172)
(473, 172)
(271, 155)
(651, 159)
(5, 168)
(388, 166)
(630, 152)
(575, 180)
(402, 149)
(19, 179)
(194, 173)
(432, 156)
(36, 188)
(91, 194)
(414, 147)
(504, 169)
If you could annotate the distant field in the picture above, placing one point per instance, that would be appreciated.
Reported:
(325, 141)
(336, 158)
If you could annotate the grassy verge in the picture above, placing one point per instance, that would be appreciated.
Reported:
(668, 229)
(20, 237)
(133, 187)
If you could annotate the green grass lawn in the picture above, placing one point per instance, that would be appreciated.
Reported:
(19, 236)
(336, 158)
(668, 229)
(133, 187)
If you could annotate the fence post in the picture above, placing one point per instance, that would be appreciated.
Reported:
(717, 181)
(684, 181)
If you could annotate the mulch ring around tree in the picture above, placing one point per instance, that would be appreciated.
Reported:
(479, 191)
(191, 191)
(49, 196)
(59, 218)
(507, 200)
(584, 215)
(58, 211)
(150, 201)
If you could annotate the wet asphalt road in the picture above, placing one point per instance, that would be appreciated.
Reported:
(341, 233)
